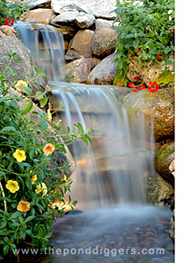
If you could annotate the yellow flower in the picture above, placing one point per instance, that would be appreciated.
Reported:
(20, 83)
(40, 188)
(64, 178)
(48, 149)
(19, 155)
(23, 206)
(34, 178)
(12, 186)
(49, 115)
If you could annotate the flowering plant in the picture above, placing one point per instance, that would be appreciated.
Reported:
(146, 33)
(9, 12)
(33, 179)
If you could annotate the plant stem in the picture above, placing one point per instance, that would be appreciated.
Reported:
(3, 194)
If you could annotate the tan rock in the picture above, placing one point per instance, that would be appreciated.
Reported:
(81, 45)
(8, 31)
(157, 109)
(40, 15)
(164, 158)
(79, 69)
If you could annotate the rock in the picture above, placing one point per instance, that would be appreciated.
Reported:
(157, 107)
(100, 9)
(172, 167)
(84, 20)
(78, 70)
(163, 159)
(104, 72)
(80, 45)
(31, 4)
(8, 31)
(104, 23)
(73, 15)
(158, 191)
(40, 15)
(104, 42)
(172, 227)
(27, 62)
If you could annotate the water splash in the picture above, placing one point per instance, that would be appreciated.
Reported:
(46, 45)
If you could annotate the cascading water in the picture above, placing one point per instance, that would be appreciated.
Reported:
(46, 45)
(109, 174)
(111, 171)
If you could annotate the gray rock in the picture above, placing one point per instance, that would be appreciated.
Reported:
(100, 9)
(31, 4)
(27, 62)
(172, 227)
(104, 72)
(104, 42)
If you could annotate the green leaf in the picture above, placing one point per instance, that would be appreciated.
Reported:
(36, 70)
(39, 95)
(29, 218)
(44, 124)
(6, 249)
(8, 128)
(27, 106)
(136, 43)
(80, 128)
(43, 102)
(167, 50)
(25, 89)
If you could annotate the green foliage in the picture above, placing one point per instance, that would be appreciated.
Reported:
(32, 180)
(12, 10)
(147, 28)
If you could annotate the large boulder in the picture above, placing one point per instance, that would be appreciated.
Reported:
(40, 15)
(157, 109)
(164, 158)
(104, 73)
(104, 42)
(25, 68)
(80, 45)
(79, 69)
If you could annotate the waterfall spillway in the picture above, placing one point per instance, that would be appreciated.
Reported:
(111, 170)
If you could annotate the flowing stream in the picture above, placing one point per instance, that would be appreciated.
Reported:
(109, 178)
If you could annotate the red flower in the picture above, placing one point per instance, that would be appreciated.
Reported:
(153, 87)
(130, 84)
(142, 86)
(121, 86)
(7, 21)
(136, 77)
(134, 89)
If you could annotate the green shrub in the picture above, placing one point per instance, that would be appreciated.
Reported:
(147, 27)
(32, 183)
(11, 11)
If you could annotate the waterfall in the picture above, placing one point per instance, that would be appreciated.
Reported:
(112, 170)
(46, 45)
